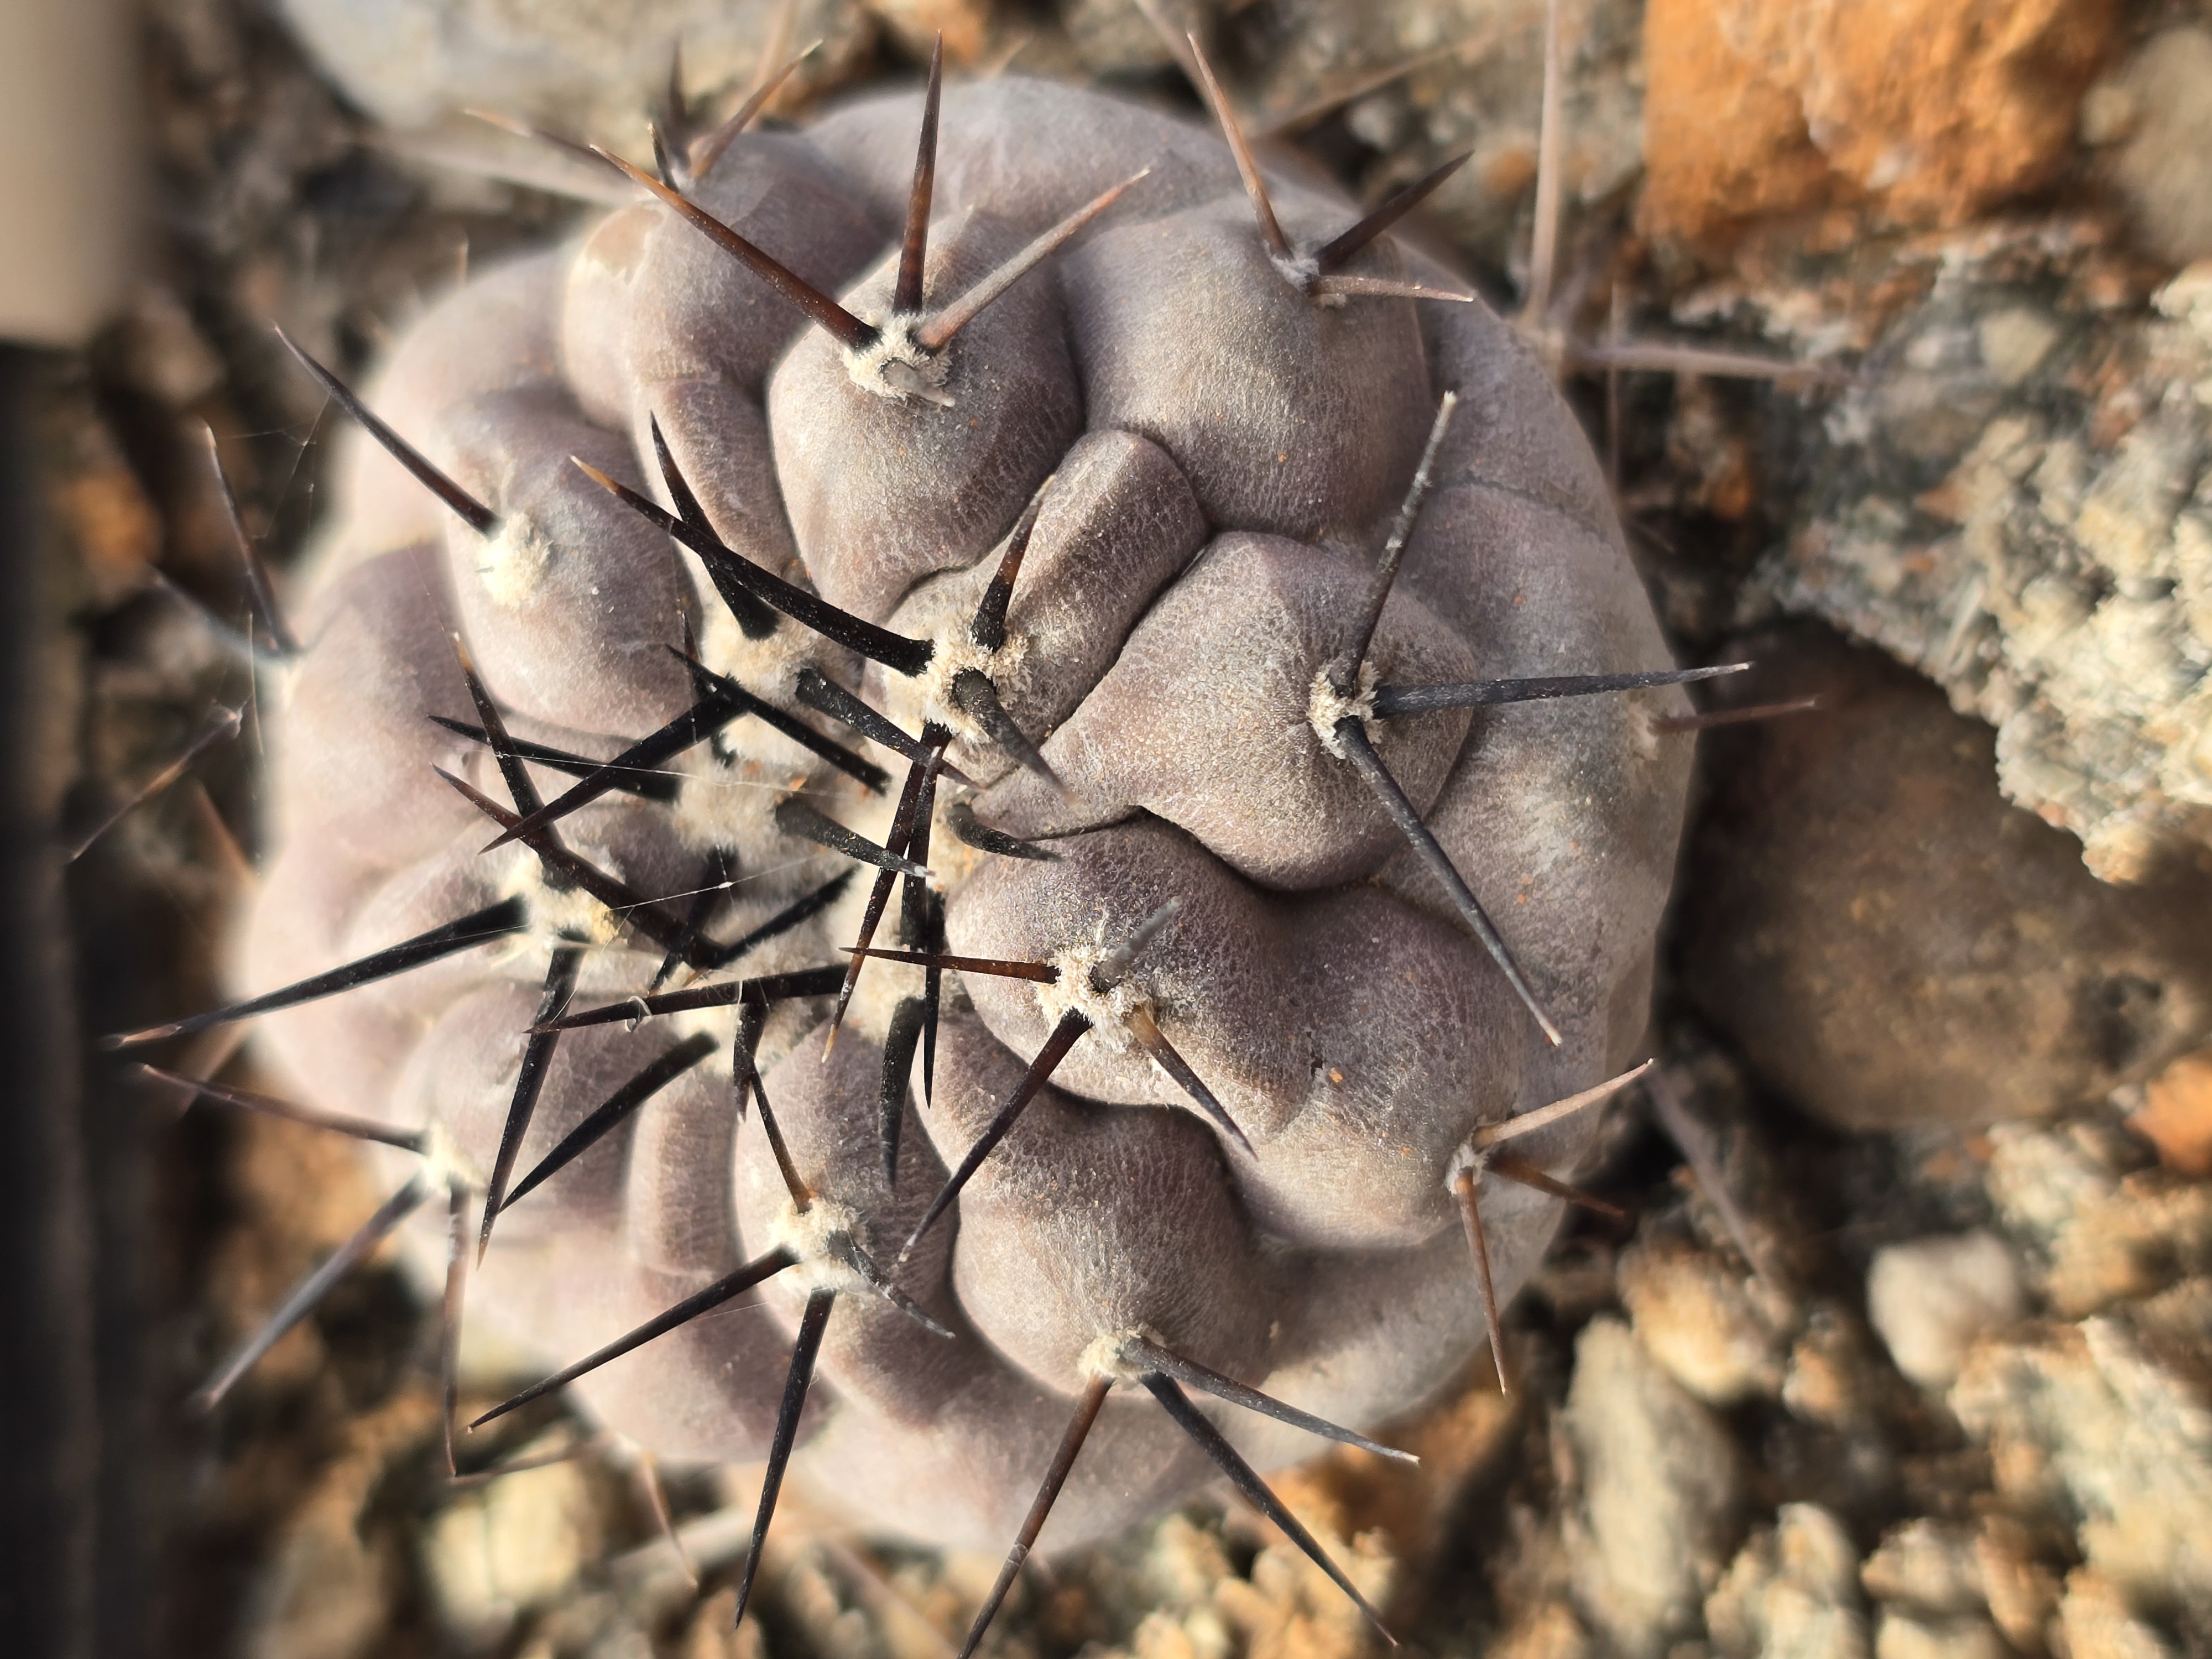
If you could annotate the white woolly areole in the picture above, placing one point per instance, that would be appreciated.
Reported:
(444, 1163)
(1109, 1355)
(575, 916)
(515, 561)
(1469, 1159)
(1109, 1012)
(927, 696)
(1326, 705)
(817, 1237)
(734, 806)
(894, 365)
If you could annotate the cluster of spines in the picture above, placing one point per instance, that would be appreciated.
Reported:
(759, 600)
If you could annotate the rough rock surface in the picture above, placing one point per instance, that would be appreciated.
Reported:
(2015, 505)
(1890, 941)
(1936, 109)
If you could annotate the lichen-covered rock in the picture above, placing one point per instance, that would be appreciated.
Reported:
(1225, 452)
(2015, 505)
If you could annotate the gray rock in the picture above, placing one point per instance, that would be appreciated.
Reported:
(594, 69)
(1889, 942)
(1660, 1486)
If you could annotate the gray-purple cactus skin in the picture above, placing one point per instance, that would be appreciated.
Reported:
(1225, 454)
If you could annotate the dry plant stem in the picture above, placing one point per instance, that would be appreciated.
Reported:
(1706, 722)
(449, 1318)
(494, 921)
(267, 611)
(536, 1055)
(315, 1117)
(1072, 1026)
(655, 1076)
(1354, 737)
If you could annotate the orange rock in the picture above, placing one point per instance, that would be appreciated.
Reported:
(1933, 110)
(2178, 1116)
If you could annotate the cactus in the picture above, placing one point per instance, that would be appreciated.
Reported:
(1202, 613)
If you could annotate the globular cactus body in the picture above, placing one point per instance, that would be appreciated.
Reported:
(1227, 442)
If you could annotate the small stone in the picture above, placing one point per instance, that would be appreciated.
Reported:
(2165, 167)
(2014, 342)
(1932, 1298)
(1888, 941)
(2098, 1624)
(1900, 1636)
(1708, 1323)
(2177, 1116)
(1551, 1631)
(1659, 1485)
(2021, 1590)
(1791, 1593)
(1927, 1568)
(519, 1541)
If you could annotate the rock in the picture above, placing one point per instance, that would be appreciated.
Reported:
(2021, 1588)
(1899, 1636)
(1934, 109)
(518, 1540)
(1927, 1568)
(1716, 1330)
(1791, 1593)
(2015, 501)
(2164, 163)
(2112, 1437)
(592, 70)
(2177, 1116)
(2098, 1624)
(1888, 941)
(1659, 1485)
(2099, 1237)
(1932, 1298)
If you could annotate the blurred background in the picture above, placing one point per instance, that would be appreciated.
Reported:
(1905, 1350)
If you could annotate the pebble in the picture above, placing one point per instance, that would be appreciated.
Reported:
(2109, 1436)
(1661, 1481)
(1791, 1593)
(1890, 943)
(1713, 1327)
(2177, 1116)
(1901, 1636)
(1931, 1298)
(1927, 1568)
